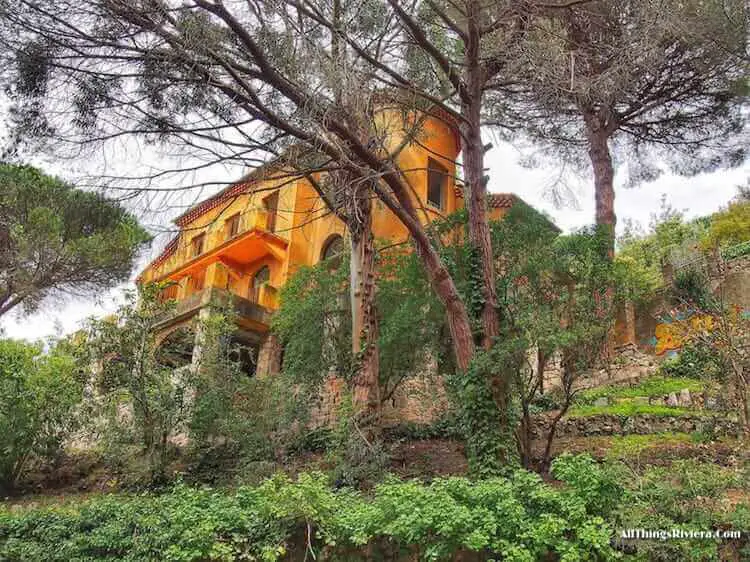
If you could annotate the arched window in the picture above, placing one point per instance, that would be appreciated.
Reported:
(332, 251)
(261, 277)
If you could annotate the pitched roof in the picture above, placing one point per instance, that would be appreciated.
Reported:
(495, 200)
(501, 200)
(243, 185)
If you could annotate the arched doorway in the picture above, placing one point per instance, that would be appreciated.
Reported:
(176, 349)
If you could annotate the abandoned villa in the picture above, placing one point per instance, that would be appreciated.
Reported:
(246, 241)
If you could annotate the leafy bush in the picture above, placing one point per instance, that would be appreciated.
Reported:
(687, 495)
(517, 518)
(736, 251)
(38, 395)
(697, 361)
(690, 287)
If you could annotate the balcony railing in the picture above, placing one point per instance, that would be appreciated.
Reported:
(189, 306)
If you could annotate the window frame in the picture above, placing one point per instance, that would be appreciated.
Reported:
(255, 289)
(198, 244)
(232, 226)
(435, 167)
(334, 260)
(272, 212)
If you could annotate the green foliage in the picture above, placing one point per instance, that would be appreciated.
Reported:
(516, 518)
(39, 393)
(313, 324)
(629, 446)
(687, 495)
(357, 460)
(736, 251)
(652, 386)
(232, 416)
(730, 226)
(144, 396)
(153, 390)
(696, 360)
(628, 409)
(486, 416)
(58, 239)
(600, 489)
(648, 251)
(690, 288)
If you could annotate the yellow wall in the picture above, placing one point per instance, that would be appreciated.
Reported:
(303, 225)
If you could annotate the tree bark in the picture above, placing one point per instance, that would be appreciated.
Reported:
(457, 317)
(475, 190)
(597, 135)
(366, 383)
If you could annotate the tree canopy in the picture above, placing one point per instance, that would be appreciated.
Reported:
(56, 239)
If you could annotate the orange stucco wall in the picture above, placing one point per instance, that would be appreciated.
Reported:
(303, 225)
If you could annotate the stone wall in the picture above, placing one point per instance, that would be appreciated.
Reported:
(736, 284)
(644, 424)
(650, 323)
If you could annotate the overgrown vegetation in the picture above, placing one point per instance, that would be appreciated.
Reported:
(656, 386)
(39, 397)
(627, 409)
(516, 518)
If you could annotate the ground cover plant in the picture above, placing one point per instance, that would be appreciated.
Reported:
(518, 517)
(651, 387)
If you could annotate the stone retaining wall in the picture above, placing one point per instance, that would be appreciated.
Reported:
(645, 424)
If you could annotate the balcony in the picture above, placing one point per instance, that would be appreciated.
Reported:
(255, 313)
(253, 241)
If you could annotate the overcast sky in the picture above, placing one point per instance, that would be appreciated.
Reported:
(699, 195)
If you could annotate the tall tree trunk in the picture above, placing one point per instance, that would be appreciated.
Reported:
(457, 316)
(366, 383)
(597, 134)
(475, 191)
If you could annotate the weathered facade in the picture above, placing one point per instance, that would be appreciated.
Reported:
(243, 243)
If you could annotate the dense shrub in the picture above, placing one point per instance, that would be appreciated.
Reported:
(690, 496)
(695, 360)
(516, 518)
(38, 395)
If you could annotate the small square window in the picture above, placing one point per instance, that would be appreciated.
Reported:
(197, 245)
(232, 226)
(437, 178)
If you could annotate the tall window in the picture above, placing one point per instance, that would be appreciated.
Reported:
(271, 204)
(197, 281)
(232, 226)
(333, 250)
(261, 277)
(437, 178)
(197, 244)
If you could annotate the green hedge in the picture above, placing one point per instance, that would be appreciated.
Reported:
(516, 518)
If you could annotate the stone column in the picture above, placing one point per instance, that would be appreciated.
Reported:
(269, 356)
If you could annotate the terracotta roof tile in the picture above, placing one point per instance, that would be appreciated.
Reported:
(494, 200)
(500, 200)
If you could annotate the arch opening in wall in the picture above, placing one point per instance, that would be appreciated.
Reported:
(333, 251)
(176, 349)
